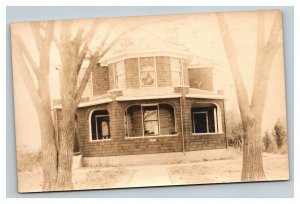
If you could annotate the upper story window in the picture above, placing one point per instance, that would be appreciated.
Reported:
(88, 91)
(176, 70)
(147, 71)
(119, 70)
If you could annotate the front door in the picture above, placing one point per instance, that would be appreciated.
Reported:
(200, 122)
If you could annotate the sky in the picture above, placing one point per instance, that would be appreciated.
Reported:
(198, 32)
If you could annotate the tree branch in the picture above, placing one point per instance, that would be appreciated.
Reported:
(38, 38)
(27, 77)
(240, 88)
(27, 54)
(86, 41)
(264, 66)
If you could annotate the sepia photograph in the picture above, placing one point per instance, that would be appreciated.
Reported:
(144, 101)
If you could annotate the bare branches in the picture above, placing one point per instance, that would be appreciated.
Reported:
(25, 73)
(23, 49)
(264, 63)
(240, 88)
(86, 41)
(35, 29)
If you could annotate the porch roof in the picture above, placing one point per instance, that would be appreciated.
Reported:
(148, 93)
(91, 101)
(197, 93)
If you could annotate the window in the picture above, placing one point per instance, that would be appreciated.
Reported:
(88, 91)
(176, 70)
(147, 71)
(119, 70)
(100, 125)
(204, 119)
(149, 120)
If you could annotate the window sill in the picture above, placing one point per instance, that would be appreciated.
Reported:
(209, 133)
(95, 141)
(145, 137)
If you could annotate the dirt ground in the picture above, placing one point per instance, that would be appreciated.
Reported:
(212, 169)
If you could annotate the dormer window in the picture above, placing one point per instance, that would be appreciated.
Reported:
(176, 70)
(119, 71)
(147, 71)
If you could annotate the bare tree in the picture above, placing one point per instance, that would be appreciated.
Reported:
(251, 113)
(73, 51)
(36, 78)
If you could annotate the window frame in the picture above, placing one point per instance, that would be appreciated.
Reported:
(143, 121)
(116, 75)
(155, 72)
(217, 121)
(143, 130)
(90, 125)
(207, 125)
(180, 72)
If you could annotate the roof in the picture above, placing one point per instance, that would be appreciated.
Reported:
(197, 93)
(91, 101)
(144, 43)
(148, 93)
(200, 62)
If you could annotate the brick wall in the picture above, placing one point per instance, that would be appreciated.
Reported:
(111, 76)
(163, 70)
(201, 78)
(119, 145)
(203, 141)
(132, 73)
(100, 80)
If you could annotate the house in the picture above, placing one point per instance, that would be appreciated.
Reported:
(156, 99)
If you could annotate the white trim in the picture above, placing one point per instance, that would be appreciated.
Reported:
(157, 115)
(219, 129)
(209, 133)
(90, 126)
(154, 136)
(116, 84)
(180, 72)
(217, 96)
(88, 103)
(158, 119)
(133, 98)
(156, 78)
(215, 120)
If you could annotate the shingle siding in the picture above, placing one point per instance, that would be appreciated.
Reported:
(201, 78)
(119, 145)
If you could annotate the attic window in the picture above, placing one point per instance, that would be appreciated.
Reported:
(147, 71)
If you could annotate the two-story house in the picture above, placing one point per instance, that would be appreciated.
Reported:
(156, 99)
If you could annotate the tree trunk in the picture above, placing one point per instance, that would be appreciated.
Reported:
(49, 151)
(66, 144)
(252, 160)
